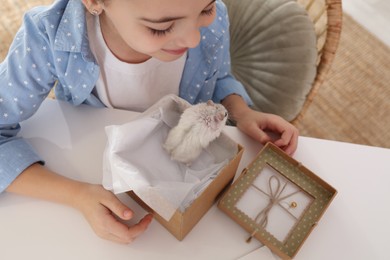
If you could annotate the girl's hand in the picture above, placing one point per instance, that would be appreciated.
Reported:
(257, 124)
(101, 208)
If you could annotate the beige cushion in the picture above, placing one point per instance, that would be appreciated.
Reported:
(273, 53)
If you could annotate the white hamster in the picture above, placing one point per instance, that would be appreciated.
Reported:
(198, 126)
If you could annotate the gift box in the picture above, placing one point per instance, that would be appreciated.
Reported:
(177, 193)
(277, 201)
(182, 222)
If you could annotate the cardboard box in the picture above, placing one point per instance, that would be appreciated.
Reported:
(182, 222)
(278, 201)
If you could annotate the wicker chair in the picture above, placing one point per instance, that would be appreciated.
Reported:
(326, 16)
(327, 19)
(11, 13)
(282, 52)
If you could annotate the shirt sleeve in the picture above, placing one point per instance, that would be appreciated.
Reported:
(25, 81)
(227, 84)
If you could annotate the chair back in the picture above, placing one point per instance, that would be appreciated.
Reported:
(281, 50)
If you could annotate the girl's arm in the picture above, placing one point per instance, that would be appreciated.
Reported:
(27, 75)
(97, 204)
(256, 124)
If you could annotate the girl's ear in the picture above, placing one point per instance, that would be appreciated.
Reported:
(95, 7)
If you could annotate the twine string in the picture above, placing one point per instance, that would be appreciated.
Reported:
(275, 190)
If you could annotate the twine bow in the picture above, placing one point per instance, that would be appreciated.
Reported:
(274, 198)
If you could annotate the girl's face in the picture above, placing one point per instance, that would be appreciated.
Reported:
(136, 30)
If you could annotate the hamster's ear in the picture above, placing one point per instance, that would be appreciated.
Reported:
(210, 102)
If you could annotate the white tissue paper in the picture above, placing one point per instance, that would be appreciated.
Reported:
(134, 159)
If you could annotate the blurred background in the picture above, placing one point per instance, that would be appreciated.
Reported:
(353, 105)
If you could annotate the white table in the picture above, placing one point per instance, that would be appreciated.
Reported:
(72, 139)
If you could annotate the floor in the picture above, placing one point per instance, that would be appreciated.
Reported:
(374, 15)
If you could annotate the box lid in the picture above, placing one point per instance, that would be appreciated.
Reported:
(278, 201)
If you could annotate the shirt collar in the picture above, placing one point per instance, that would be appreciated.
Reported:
(71, 35)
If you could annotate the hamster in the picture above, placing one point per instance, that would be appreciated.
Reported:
(198, 126)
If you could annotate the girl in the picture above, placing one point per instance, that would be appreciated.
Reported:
(124, 54)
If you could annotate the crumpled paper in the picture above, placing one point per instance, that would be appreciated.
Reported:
(134, 159)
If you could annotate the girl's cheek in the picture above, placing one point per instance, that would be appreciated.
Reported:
(208, 20)
(150, 44)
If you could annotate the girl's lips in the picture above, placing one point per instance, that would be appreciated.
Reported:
(177, 51)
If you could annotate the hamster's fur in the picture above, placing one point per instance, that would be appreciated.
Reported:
(198, 126)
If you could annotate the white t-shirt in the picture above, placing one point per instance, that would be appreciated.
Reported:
(131, 86)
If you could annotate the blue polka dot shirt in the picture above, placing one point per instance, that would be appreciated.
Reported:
(52, 48)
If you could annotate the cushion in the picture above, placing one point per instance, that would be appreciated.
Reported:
(273, 53)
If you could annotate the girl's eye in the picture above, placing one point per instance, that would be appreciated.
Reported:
(160, 33)
(209, 11)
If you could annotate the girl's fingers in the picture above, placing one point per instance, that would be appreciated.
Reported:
(117, 207)
(120, 232)
(113, 229)
(288, 141)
